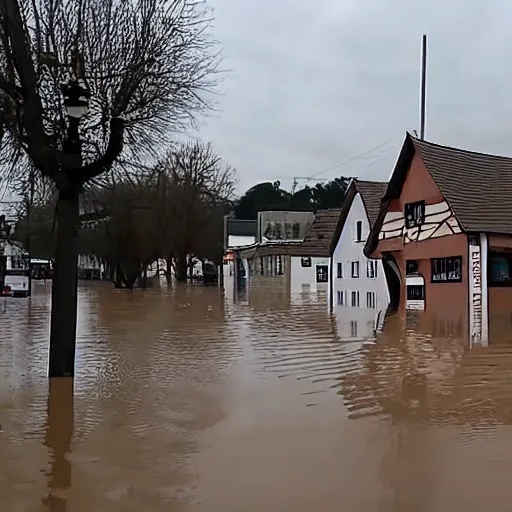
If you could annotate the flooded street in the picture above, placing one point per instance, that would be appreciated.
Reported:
(191, 401)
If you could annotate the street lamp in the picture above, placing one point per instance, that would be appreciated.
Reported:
(76, 100)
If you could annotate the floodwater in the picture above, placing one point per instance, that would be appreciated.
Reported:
(194, 401)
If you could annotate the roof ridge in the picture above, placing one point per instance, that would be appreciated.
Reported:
(456, 150)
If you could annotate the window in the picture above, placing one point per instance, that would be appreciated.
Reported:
(446, 270)
(271, 265)
(296, 230)
(322, 274)
(355, 299)
(370, 300)
(277, 230)
(411, 267)
(339, 267)
(355, 269)
(341, 298)
(358, 235)
(371, 269)
(279, 265)
(287, 230)
(353, 329)
(414, 214)
(416, 292)
(500, 269)
(261, 266)
(305, 262)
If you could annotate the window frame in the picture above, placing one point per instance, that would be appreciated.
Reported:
(339, 270)
(371, 300)
(340, 298)
(415, 222)
(446, 259)
(356, 263)
(306, 262)
(417, 287)
(358, 237)
(373, 265)
(326, 267)
(490, 281)
(354, 294)
(353, 328)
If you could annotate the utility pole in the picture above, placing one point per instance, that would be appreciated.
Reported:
(423, 98)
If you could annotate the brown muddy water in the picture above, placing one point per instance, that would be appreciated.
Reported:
(190, 401)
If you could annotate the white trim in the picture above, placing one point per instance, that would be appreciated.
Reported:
(475, 294)
(484, 252)
(414, 281)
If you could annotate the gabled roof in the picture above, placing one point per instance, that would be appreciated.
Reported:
(477, 186)
(318, 239)
(371, 193)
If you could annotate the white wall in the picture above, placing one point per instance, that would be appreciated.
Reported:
(304, 278)
(240, 241)
(347, 251)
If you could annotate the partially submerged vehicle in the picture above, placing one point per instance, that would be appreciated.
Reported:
(15, 273)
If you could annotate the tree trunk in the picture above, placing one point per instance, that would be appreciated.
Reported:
(181, 268)
(65, 287)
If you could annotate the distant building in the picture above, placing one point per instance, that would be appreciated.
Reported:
(300, 264)
(239, 232)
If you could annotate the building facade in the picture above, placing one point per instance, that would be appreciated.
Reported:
(444, 234)
(358, 289)
(298, 265)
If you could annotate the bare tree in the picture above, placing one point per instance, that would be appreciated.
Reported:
(141, 65)
(197, 184)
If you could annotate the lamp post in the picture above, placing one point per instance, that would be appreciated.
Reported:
(65, 281)
(76, 101)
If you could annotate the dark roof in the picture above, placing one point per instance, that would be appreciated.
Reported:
(316, 243)
(477, 186)
(318, 239)
(242, 227)
(371, 194)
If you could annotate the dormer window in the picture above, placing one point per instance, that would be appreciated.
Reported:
(358, 231)
(414, 214)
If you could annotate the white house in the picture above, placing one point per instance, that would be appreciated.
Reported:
(359, 294)
(297, 265)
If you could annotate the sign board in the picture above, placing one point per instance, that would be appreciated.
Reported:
(415, 293)
(475, 294)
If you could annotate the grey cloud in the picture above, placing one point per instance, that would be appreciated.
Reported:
(315, 84)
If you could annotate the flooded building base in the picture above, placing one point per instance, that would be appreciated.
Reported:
(192, 400)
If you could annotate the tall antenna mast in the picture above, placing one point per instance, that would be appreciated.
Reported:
(423, 98)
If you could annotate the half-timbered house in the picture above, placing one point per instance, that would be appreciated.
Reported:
(444, 233)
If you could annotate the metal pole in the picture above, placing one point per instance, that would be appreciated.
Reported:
(423, 86)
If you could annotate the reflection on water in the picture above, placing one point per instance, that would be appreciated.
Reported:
(192, 400)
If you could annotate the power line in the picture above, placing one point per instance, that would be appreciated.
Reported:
(355, 157)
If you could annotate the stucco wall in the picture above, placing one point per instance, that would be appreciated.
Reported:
(304, 278)
(347, 251)
(419, 185)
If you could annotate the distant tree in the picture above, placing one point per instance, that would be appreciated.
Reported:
(269, 196)
(264, 196)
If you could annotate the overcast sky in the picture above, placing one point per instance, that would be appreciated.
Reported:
(313, 84)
